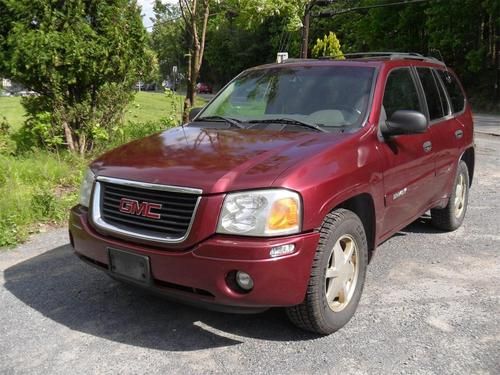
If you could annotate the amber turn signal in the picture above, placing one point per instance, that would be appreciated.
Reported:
(284, 214)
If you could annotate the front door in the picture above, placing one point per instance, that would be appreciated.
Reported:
(409, 160)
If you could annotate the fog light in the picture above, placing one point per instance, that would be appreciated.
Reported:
(244, 280)
(282, 250)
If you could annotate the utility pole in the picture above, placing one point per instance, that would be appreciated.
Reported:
(306, 22)
(305, 30)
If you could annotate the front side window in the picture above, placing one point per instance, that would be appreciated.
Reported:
(454, 90)
(400, 93)
(332, 97)
(432, 96)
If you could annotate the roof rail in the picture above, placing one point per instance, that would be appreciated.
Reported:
(388, 55)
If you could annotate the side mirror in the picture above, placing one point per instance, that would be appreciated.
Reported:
(405, 122)
(193, 112)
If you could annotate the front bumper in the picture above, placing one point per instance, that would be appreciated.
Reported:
(198, 275)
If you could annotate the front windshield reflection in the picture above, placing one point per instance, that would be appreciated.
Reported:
(329, 96)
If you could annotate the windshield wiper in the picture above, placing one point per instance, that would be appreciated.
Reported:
(229, 120)
(289, 121)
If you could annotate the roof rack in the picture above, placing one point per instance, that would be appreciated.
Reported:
(388, 55)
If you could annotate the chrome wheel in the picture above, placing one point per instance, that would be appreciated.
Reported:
(460, 196)
(341, 275)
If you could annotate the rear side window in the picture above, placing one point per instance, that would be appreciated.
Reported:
(400, 92)
(442, 94)
(454, 91)
(434, 101)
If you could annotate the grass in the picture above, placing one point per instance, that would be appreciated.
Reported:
(151, 106)
(12, 110)
(37, 189)
(146, 106)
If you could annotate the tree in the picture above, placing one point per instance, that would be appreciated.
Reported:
(195, 14)
(81, 56)
(167, 37)
(328, 46)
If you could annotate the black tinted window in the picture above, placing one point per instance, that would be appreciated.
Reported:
(442, 94)
(454, 91)
(400, 92)
(434, 103)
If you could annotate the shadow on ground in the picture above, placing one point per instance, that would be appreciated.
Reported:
(59, 286)
(421, 225)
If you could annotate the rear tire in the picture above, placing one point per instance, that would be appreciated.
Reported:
(337, 275)
(452, 216)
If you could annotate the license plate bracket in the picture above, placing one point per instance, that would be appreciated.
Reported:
(129, 266)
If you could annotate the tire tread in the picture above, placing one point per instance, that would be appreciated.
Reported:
(305, 315)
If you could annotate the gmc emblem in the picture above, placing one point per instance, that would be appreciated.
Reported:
(133, 207)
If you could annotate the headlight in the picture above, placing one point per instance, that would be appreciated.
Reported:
(261, 213)
(86, 188)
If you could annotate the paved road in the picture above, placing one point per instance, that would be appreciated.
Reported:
(430, 306)
(487, 124)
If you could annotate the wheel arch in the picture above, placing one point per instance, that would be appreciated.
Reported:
(364, 207)
(469, 158)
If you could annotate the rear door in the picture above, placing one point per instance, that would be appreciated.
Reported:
(444, 127)
(410, 173)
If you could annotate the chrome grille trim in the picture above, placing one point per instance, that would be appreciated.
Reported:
(100, 223)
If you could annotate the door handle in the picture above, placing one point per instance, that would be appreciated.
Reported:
(459, 134)
(427, 146)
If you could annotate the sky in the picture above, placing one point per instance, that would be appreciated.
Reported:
(147, 10)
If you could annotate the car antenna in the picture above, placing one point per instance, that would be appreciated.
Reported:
(441, 59)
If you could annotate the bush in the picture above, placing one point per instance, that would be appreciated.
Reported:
(82, 57)
(39, 187)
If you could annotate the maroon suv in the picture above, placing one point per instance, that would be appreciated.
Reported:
(278, 190)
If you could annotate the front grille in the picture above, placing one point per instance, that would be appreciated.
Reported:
(175, 215)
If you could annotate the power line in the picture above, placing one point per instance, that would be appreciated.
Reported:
(332, 12)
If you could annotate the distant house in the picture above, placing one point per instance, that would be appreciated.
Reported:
(6, 83)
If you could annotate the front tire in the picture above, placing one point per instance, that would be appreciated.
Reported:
(337, 275)
(452, 216)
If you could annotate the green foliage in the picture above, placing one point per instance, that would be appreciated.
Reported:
(13, 111)
(38, 132)
(328, 46)
(81, 57)
(7, 145)
(464, 33)
(167, 38)
(36, 189)
(141, 128)
(250, 13)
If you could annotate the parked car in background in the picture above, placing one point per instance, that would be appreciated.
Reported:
(279, 190)
(142, 86)
(204, 88)
(25, 93)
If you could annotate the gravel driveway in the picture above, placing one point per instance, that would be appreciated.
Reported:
(430, 305)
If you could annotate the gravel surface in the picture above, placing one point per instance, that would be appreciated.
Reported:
(430, 306)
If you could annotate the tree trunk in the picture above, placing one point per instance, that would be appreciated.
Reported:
(189, 12)
(69, 137)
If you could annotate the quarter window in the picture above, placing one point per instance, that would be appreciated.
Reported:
(454, 90)
(434, 103)
(442, 94)
(400, 92)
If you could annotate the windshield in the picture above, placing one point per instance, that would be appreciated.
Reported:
(328, 96)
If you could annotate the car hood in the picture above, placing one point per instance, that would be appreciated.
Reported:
(213, 160)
